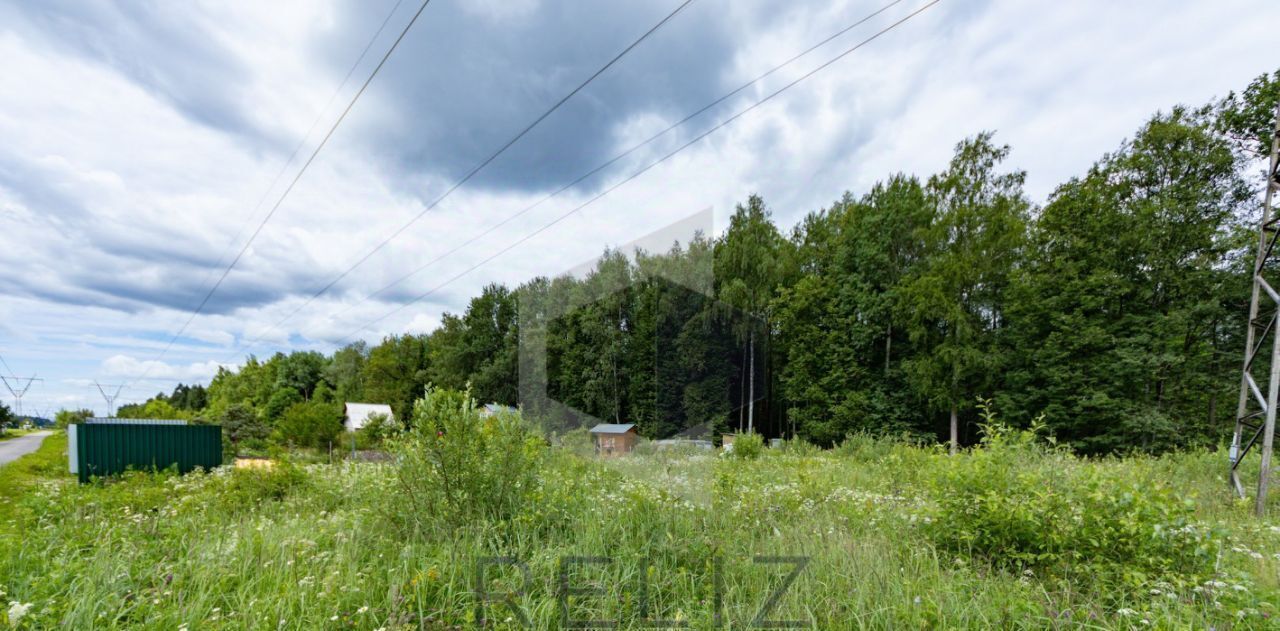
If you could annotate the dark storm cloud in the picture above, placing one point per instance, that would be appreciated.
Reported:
(175, 287)
(463, 83)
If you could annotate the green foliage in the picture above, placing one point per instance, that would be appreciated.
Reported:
(1132, 294)
(310, 424)
(954, 300)
(747, 446)
(6, 417)
(69, 417)
(1248, 118)
(1114, 310)
(244, 489)
(242, 427)
(281, 400)
(1019, 503)
(309, 544)
(396, 373)
(377, 428)
(459, 468)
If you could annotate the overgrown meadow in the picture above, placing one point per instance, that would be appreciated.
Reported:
(877, 533)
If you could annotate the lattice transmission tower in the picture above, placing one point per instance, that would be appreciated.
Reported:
(1256, 413)
(104, 388)
(18, 388)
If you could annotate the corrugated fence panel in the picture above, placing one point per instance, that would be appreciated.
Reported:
(110, 449)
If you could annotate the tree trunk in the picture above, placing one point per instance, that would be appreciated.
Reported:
(742, 392)
(955, 431)
(751, 397)
(888, 343)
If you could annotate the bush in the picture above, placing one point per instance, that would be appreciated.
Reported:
(377, 428)
(462, 468)
(246, 488)
(310, 424)
(747, 446)
(1019, 503)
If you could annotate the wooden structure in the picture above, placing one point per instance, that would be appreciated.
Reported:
(614, 439)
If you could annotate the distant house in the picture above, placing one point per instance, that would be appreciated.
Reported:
(613, 439)
(489, 409)
(358, 414)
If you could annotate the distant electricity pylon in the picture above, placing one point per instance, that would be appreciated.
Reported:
(1259, 417)
(110, 398)
(18, 389)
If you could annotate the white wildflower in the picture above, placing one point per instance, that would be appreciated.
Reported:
(17, 611)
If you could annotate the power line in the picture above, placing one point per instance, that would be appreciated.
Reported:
(616, 158)
(643, 170)
(292, 183)
(470, 174)
(303, 140)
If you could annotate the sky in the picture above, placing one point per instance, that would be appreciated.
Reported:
(142, 143)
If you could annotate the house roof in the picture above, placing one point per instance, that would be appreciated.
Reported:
(613, 428)
(362, 411)
(495, 408)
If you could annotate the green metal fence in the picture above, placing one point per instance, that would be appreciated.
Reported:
(102, 450)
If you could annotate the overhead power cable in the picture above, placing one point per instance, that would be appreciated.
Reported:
(610, 162)
(470, 174)
(578, 180)
(640, 172)
(303, 140)
(289, 188)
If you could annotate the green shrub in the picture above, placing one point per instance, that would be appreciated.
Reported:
(310, 424)
(377, 428)
(800, 447)
(1019, 503)
(747, 446)
(460, 468)
(245, 488)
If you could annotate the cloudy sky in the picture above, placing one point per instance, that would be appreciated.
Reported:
(142, 142)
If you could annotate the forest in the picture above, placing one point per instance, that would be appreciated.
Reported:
(1113, 313)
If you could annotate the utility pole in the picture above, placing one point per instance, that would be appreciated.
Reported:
(1256, 413)
(18, 389)
(110, 398)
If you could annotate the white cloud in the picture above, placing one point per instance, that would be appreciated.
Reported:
(116, 201)
(134, 368)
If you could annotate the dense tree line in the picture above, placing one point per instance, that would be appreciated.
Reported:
(1115, 311)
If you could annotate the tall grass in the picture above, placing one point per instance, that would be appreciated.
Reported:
(327, 546)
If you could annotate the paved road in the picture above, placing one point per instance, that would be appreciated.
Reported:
(15, 448)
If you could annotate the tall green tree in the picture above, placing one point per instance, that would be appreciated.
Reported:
(1130, 298)
(396, 373)
(839, 323)
(749, 268)
(954, 301)
(345, 372)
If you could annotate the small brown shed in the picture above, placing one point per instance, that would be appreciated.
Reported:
(614, 439)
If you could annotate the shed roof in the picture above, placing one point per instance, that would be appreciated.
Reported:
(365, 410)
(358, 414)
(496, 408)
(613, 428)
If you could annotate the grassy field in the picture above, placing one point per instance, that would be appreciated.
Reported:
(8, 434)
(880, 534)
